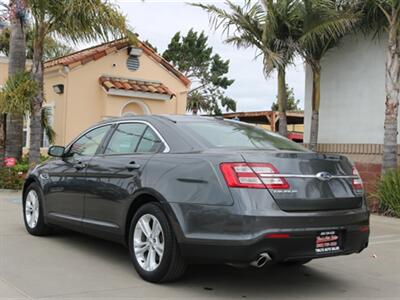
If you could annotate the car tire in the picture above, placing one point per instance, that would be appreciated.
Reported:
(153, 247)
(33, 211)
(298, 262)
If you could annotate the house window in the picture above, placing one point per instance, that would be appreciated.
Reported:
(133, 63)
(49, 111)
(27, 130)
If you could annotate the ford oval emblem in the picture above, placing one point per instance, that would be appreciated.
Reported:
(324, 176)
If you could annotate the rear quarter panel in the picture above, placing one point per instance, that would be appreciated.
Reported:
(189, 178)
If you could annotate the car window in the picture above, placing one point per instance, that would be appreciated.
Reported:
(125, 138)
(87, 144)
(149, 143)
(231, 134)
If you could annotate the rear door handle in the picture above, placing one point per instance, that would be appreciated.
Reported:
(79, 165)
(132, 166)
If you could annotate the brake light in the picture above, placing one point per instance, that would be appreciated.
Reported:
(252, 175)
(357, 182)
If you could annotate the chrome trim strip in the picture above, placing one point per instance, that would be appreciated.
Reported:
(64, 216)
(99, 223)
(266, 175)
(166, 150)
(83, 220)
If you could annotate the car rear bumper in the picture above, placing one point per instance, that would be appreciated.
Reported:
(229, 238)
(300, 245)
(238, 233)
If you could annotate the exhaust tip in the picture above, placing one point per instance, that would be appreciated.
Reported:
(262, 259)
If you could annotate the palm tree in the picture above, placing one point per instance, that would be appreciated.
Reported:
(196, 102)
(17, 59)
(322, 24)
(16, 94)
(74, 20)
(15, 98)
(269, 26)
(52, 46)
(380, 16)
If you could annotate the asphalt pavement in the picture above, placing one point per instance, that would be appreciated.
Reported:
(69, 265)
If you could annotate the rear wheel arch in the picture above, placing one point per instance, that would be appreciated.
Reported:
(145, 196)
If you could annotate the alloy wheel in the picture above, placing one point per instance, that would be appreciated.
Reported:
(32, 209)
(148, 242)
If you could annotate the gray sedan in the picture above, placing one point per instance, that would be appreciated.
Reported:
(179, 189)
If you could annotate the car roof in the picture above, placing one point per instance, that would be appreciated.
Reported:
(172, 118)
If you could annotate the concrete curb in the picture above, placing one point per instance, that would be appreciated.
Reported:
(9, 191)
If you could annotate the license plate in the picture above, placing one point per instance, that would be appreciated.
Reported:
(328, 241)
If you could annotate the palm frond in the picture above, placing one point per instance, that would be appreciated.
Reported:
(266, 25)
(196, 101)
(322, 26)
(16, 94)
(316, 37)
(77, 20)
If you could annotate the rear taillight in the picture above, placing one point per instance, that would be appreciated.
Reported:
(357, 182)
(252, 175)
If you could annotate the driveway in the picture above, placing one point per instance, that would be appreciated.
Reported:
(67, 265)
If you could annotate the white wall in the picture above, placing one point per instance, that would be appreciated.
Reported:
(352, 93)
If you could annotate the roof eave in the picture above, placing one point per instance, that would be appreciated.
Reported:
(137, 94)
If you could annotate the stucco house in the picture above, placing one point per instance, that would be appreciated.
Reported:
(352, 103)
(109, 80)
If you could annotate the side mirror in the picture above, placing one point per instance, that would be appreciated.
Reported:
(56, 151)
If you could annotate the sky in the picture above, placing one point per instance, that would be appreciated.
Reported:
(158, 21)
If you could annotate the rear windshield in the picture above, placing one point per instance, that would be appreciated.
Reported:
(231, 134)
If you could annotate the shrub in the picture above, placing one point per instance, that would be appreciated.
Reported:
(13, 177)
(388, 192)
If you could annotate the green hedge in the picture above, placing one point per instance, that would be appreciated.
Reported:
(388, 193)
(13, 177)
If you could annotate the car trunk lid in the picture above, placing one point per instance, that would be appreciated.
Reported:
(315, 181)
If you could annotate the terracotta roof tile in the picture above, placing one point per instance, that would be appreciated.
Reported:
(127, 86)
(144, 88)
(107, 84)
(118, 84)
(152, 89)
(136, 85)
(160, 90)
(94, 53)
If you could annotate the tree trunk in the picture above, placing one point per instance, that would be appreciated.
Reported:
(389, 159)
(36, 112)
(17, 59)
(316, 99)
(282, 102)
(14, 135)
(2, 137)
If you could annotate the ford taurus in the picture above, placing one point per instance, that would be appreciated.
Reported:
(181, 189)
